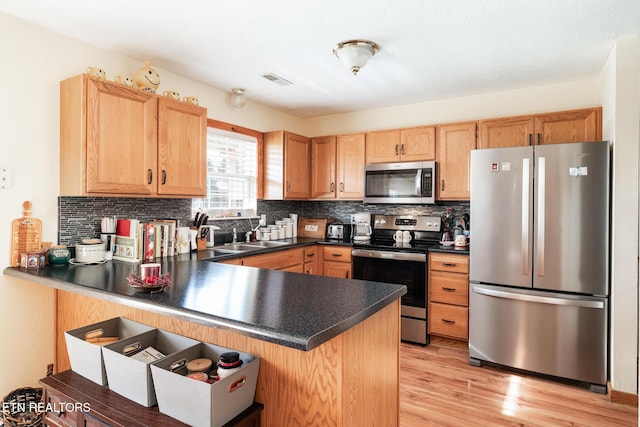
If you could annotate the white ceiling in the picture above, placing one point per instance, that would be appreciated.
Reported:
(429, 49)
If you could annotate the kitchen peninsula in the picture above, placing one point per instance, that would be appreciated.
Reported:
(329, 348)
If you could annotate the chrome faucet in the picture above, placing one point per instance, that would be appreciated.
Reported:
(235, 235)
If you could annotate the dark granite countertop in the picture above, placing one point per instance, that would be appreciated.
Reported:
(291, 309)
(450, 249)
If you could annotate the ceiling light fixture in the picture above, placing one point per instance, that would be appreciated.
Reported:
(355, 53)
(237, 98)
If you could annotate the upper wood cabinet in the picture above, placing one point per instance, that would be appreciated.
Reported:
(383, 146)
(418, 144)
(454, 144)
(350, 166)
(323, 167)
(118, 141)
(552, 128)
(401, 145)
(287, 164)
(337, 170)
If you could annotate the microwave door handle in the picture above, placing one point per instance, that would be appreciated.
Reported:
(418, 182)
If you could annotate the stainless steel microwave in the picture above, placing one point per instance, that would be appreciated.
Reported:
(405, 183)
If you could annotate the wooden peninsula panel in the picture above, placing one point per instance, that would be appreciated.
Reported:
(350, 380)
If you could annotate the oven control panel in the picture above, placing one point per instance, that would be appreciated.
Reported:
(407, 222)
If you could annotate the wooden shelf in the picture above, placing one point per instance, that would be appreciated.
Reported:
(97, 405)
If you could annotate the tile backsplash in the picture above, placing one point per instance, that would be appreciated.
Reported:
(80, 217)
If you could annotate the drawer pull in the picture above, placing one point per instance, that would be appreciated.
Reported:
(310, 255)
(449, 264)
(448, 289)
(449, 321)
(335, 254)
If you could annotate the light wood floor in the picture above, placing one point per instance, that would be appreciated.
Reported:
(439, 388)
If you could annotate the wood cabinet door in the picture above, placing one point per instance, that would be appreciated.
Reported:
(297, 170)
(383, 146)
(121, 139)
(350, 166)
(569, 126)
(505, 132)
(182, 149)
(323, 167)
(455, 142)
(341, 270)
(312, 260)
(418, 144)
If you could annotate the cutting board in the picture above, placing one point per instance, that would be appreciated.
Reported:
(313, 227)
(26, 235)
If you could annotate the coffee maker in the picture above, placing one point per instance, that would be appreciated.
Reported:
(361, 227)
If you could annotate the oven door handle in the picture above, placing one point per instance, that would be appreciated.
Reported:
(400, 256)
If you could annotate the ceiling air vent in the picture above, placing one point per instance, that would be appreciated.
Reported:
(277, 79)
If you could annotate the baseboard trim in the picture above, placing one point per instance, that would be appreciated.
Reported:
(622, 397)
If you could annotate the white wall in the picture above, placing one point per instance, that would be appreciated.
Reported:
(35, 60)
(620, 89)
(541, 99)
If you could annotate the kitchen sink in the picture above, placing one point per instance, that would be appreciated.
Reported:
(238, 248)
(266, 243)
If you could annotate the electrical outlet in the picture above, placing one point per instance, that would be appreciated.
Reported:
(5, 179)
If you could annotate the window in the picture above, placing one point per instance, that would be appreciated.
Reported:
(231, 174)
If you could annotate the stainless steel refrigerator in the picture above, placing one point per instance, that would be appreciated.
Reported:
(539, 259)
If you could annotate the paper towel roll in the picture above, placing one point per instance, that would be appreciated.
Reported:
(295, 224)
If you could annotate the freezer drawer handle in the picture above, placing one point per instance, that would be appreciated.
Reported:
(450, 322)
(539, 299)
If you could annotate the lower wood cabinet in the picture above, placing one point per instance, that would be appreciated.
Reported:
(311, 260)
(323, 260)
(449, 295)
(286, 260)
(336, 261)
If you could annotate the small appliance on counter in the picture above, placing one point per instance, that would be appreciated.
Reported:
(335, 231)
(361, 227)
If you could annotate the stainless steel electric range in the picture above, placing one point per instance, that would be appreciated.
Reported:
(397, 253)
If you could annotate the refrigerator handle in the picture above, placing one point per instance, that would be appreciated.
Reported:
(541, 216)
(525, 218)
(538, 299)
